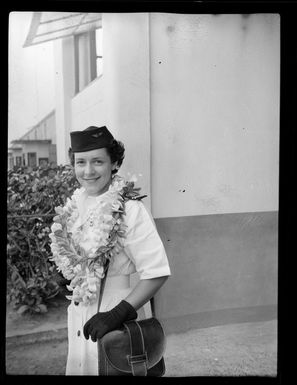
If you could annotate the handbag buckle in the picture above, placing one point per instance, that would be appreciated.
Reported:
(137, 359)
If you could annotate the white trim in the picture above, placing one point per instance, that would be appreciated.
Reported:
(88, 85)
(36, 23)
(33, 28)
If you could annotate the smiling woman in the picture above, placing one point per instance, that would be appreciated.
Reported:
(104, 223)
(93, 170)
(95, 167)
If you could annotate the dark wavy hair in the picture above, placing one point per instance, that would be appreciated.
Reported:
(116, 152)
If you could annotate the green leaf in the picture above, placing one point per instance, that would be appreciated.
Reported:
(22, 309)
(43, 308)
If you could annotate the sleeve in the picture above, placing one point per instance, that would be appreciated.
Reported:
(143, 244)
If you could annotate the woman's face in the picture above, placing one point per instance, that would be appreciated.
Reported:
(93, 170)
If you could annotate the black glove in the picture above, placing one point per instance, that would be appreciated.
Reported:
(102, 323)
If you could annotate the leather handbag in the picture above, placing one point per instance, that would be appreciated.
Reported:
(135, 349)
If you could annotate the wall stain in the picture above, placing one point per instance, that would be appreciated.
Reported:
(170, 28)
(212, 202)
(227, 191)
(244, 24)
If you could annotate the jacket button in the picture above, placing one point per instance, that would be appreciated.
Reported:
(78, 333)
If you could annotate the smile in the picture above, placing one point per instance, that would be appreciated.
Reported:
(91, 180)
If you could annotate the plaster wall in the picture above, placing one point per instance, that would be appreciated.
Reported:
(224, 269)
(41, 149)
(127, 90)
(88, 107)
(215, 83)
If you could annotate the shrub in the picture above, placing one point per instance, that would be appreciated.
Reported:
(31, 198)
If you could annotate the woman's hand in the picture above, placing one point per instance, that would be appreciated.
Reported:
(102, 323)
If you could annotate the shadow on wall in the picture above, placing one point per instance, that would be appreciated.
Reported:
(224, 269)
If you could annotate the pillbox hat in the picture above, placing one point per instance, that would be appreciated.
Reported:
(90, 139)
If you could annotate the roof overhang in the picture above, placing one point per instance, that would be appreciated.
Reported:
(47, 26)
(30, 141)
(15, 147)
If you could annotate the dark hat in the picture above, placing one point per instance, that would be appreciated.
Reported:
(90, 139)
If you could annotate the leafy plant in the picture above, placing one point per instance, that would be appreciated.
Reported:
(31, 198)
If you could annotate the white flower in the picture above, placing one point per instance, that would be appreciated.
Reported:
(84, 277)
(107, 217)
(116, 206)
(56, 227)
(77, 268)
(52, 237)
(92, 284)
(100, 271)
(59, 210)
(133, 178)
(92, 255)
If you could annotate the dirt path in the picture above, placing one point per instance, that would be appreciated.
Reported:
(56, 315)
(227, 350)
(47, 358)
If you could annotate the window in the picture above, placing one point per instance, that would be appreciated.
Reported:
(99, 51)
(88, 58)
(43, 162)
(18, 161)
(10, 163)
(32, 161)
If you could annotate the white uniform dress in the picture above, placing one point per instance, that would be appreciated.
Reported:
(143, 252)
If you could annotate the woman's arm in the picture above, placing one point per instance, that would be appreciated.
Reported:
(102, 323)
(144, 291)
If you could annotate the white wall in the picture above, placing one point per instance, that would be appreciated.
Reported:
(31, 77)
(194, 98)
(41, 149)
(16, 152)
(126, 89)
(46, 129)
(88, 107)
(214, 113)
(51, 128)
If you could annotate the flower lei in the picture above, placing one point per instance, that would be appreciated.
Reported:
(85, 270)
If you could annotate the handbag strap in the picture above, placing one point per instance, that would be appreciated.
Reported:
(102, 284)
(138, 358)
(152, 301)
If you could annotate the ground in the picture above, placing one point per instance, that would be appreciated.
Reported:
(227, 350)
(19, 324)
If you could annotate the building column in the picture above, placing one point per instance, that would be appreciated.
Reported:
(65, 88)
(126, 83)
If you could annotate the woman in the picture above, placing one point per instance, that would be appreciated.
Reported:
(103, 222)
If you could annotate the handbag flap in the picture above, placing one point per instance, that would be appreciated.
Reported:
(117, 347)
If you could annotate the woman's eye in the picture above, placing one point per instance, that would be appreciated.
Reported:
(79, 162)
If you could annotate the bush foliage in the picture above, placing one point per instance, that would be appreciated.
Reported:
(31, 199)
